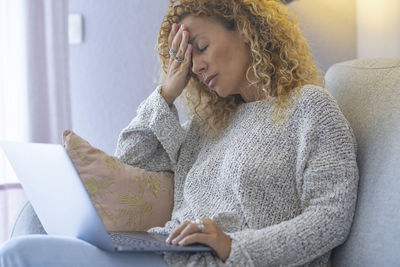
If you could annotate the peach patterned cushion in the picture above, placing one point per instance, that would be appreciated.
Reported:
(126, 198)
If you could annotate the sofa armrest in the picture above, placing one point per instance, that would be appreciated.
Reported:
(27, 222)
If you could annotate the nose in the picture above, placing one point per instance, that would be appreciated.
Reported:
(199, 66)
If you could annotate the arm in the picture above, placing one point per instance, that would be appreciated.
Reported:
(327, 179)
(153, 138)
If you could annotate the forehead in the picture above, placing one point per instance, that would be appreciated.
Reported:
(197, 22)
(201, 25)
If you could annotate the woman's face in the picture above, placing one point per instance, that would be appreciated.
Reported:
(220, 57)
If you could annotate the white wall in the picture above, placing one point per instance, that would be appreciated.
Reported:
(378, 28)
(330, 27)
(113, 70)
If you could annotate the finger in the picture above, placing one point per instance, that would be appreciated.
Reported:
(182, 50)
(188, 57)
(177, 231)
(172, 34)
(177, 39)
(183, 45)
(175, 46)
(196, 238)
(190, 228)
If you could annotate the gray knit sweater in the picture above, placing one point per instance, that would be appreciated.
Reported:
(285, 193)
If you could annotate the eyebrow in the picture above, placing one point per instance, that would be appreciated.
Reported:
(191, 40)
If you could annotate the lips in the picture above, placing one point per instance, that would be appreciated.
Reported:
(209, 80)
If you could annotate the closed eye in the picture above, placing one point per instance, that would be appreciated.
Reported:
(203, 49)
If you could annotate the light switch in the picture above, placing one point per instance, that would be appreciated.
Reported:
(75, 28)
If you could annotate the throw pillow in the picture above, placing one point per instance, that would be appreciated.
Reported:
(126, 198)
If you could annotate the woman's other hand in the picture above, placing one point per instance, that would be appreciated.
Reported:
(179, 63)
(188, 233)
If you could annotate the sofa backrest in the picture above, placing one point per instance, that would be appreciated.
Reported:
(368, 92)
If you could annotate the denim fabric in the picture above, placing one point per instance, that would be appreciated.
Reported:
(50, 251)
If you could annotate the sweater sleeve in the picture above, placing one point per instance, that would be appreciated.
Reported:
(327, 181)
(152, 139)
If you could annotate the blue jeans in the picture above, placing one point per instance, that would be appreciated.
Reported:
(46, 251)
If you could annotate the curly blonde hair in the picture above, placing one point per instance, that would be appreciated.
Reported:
(280, 56)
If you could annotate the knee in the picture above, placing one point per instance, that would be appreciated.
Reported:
(8, 253)
(15, 252)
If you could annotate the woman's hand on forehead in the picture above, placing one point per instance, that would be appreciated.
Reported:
(180, 61)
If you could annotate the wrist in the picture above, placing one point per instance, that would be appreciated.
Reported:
(168, 99)
(227, 248)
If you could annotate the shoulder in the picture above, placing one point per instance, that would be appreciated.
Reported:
(313, 97)
(316, 109)
(316, 102)
(316, 112)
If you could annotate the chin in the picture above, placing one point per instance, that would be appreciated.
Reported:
(221, 93)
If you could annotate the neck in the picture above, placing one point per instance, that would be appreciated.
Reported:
(251, 94)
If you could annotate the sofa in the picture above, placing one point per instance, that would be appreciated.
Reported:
(368, 92)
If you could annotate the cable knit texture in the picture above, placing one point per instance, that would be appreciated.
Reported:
(285, 192)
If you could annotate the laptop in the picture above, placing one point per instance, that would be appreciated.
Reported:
(60, 200)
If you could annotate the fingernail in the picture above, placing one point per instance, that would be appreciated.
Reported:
(181, 26)
(180, 242)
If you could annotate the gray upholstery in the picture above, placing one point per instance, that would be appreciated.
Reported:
(368, 93)
(27, 222)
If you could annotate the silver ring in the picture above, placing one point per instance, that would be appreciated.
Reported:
(179, 59)
(172, 52)
(200, 225)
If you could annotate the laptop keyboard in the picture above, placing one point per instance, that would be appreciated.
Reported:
(131, 243)
(153, 242)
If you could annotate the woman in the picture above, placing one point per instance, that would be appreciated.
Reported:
(265, 168)
(267, 162)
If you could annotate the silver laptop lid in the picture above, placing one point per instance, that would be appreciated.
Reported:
(56, 192)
